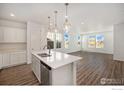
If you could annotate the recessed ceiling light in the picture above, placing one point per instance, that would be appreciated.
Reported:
(82, 23)
(66, 16)
(11, 14)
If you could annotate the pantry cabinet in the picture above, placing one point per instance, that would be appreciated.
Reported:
(12, 35)
(12, 59)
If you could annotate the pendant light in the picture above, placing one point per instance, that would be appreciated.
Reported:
(49, 27)
(55, 26)
(66, 24)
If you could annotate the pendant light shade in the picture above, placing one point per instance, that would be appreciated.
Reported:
(55, 25)
(66, 24)
(49, 27)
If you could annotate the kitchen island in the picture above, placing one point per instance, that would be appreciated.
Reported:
(55, 69)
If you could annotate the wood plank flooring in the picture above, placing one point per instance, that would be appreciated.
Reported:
(18, 75)
(96, 67)
(90, 70)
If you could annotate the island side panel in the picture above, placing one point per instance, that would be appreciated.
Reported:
(62, 75)
(75, 72)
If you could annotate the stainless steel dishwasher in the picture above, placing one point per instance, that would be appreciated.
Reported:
(45, 74)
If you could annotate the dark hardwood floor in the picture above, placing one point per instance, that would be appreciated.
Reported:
(99, 69)
(18, 75)
(93, 69)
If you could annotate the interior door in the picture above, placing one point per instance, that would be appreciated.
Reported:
(35, 37)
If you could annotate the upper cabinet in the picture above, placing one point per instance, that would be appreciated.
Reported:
(11, 35)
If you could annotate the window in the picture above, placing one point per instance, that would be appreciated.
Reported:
(96, 41)
(66, 40)
(50, 40)
(54, 38)
(58, 40)
(92, 41)
(79, 40)
(99, 41)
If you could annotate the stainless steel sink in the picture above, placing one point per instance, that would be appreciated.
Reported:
(44, 55)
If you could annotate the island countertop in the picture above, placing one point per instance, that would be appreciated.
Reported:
(57, 59)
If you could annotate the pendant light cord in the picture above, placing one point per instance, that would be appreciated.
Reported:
(66, 9)
(49, 21)
(55, 18)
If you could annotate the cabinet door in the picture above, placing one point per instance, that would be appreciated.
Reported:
(36, 68)
(6, 60)
(14, 58)
(20, 35)
(9, 35)
(18, 58)
(1, 34)
(0, 61)
(22, 57)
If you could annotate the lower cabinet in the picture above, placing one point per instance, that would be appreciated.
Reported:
(6, 60)
(0, 61)
(36, 68)
(12, 59)
(17, 58)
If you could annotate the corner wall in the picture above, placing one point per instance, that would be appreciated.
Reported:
(119, 42)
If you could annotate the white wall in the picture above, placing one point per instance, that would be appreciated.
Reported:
(119, 42)
(36, 38)
(108, 43)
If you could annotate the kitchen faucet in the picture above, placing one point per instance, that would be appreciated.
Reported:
(48, 48)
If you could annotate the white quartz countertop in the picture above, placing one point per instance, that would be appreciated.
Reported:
(57, 59)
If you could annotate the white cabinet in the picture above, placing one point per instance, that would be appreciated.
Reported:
(18, 58)
(10, 34)
(12, 59)
(6, 60)
(22, 57)
(0, 61)
(36, 68)
(20, 35)
(1, 34)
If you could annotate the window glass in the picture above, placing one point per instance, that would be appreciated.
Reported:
(50, 40)
(66, 40)
(58, 40)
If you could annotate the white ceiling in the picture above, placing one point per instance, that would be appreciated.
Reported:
(95, 16)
